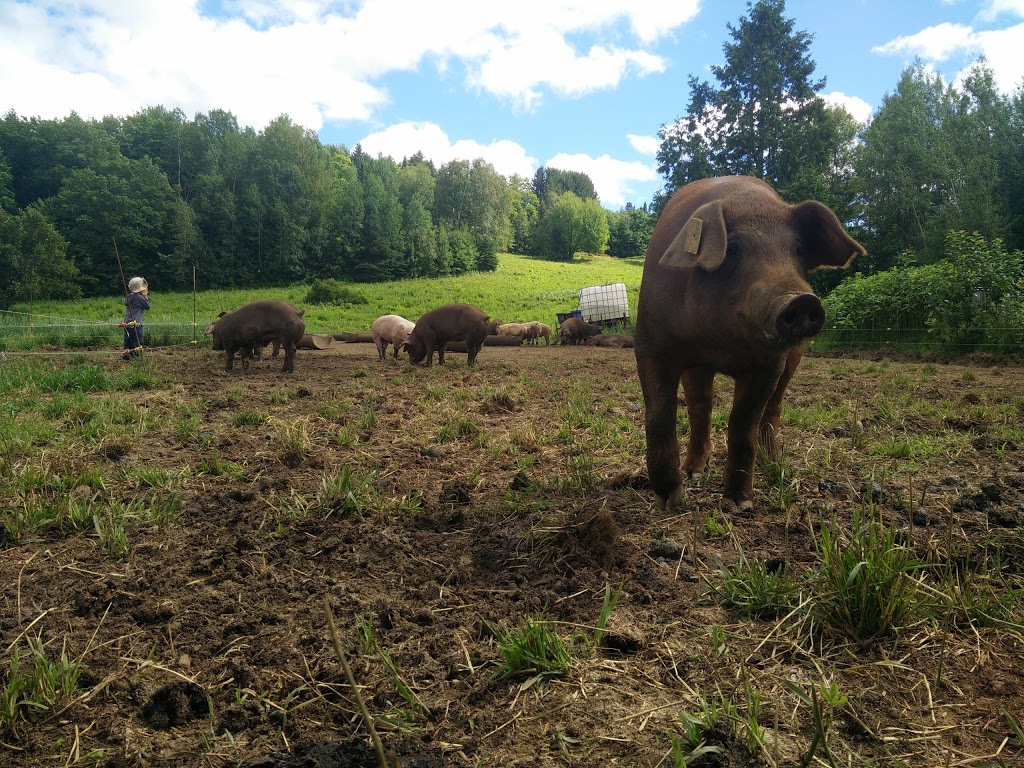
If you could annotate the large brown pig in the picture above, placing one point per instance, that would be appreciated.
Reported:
(725, 290)
(452, 322)
(390, 329)
(574, 331)
(256, 324)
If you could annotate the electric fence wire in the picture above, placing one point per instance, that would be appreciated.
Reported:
(35, 330)
(22, 333)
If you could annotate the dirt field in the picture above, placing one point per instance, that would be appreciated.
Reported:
(439, 509)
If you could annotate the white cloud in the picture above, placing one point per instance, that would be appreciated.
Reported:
(612, 178)
(995, 7)
(517, 71)
(1003, 49)
(936, 44)
(645, 145)
(855, 105)
(313, 59)
(406, 139)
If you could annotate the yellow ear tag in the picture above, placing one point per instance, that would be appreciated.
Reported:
(693, 230)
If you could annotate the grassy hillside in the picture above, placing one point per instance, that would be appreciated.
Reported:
(522, 288)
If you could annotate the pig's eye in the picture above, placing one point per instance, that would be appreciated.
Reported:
(732, 250)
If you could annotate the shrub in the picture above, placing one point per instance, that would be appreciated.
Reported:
(962, 302)
(331, 291)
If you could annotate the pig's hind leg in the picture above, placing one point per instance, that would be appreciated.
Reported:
(699, 391)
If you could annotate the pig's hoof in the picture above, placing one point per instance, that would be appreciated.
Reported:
(735, 508)
(673, 501)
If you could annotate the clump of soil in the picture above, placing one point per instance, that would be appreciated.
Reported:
(176, 704)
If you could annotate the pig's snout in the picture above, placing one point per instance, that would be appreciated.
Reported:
(801, 317)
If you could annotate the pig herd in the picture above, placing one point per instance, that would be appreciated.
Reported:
(271, 321)
(724, 290)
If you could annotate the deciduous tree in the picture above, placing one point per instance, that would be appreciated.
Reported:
(572, 224)
(33, 259)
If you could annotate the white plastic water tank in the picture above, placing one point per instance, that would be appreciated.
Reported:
(604, 302)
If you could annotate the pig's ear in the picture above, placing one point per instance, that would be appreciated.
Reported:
(823, 241)
(701, 242)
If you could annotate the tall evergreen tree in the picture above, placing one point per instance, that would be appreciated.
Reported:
(525, 210)
(548, 183)
(6, 186)
(382, 247)
(416, 195)
(762, 117)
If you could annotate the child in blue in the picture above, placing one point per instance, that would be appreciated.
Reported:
(136, 303)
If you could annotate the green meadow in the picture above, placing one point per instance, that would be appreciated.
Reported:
(522, 288)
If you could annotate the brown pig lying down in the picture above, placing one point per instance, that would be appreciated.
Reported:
(725, 290)
(622, 341)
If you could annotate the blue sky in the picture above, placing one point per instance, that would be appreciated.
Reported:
(576, 84)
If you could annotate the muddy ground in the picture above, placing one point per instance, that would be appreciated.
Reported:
(481, 499)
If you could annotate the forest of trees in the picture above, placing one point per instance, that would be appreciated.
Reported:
(248, 208)
(163, 194)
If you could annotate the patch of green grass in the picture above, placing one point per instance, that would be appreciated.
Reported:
(415, 709)
(215, 465)
(367, 420)
(865, 587)
(346, 437)
(149, 476)
(521, 287)
(38, 498)
(136, 377)
(34, 684)
(188, 428)
(76, 378)
(581, 476)
(742, 716)
(823, 700)
(973, 600)
(533, 651)
(756, 590)
(905, 447)
(816, 417)
(109, 524)
(607, 607)
(349, 493)
(249, 417)
(332, 408)
(456, 428)
(293, 441)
